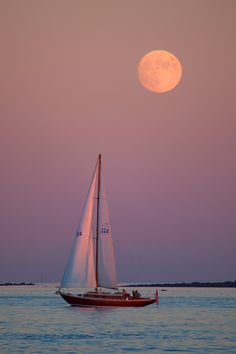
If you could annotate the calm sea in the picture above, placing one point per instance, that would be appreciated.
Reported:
(35, 320)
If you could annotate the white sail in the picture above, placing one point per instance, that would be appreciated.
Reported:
(80, 269)
(106, 258)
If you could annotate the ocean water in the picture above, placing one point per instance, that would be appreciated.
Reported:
(187, 320)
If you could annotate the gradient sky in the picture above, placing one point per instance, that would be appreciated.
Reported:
(69, 90)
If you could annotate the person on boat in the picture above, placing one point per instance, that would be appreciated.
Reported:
(125, 294)
(136, 294)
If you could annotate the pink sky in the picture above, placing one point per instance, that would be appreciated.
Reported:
(69, 90)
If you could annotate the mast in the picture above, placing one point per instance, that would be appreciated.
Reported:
(97, 222)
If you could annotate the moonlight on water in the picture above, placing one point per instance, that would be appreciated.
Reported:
(159, 71)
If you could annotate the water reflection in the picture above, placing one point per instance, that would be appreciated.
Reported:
(91, 309)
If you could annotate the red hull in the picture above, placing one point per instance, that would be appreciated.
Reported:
(87, 301)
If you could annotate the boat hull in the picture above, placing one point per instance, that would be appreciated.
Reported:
(85, 301)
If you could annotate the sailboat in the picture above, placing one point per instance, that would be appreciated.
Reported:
(91, 264)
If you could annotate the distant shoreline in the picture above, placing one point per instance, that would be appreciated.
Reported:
(226, 284)
(15, 284)
(195, 284)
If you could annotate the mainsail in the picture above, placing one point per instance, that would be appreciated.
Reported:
(84, 269)
(106, 258)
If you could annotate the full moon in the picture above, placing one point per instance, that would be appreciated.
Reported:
(159, 71)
